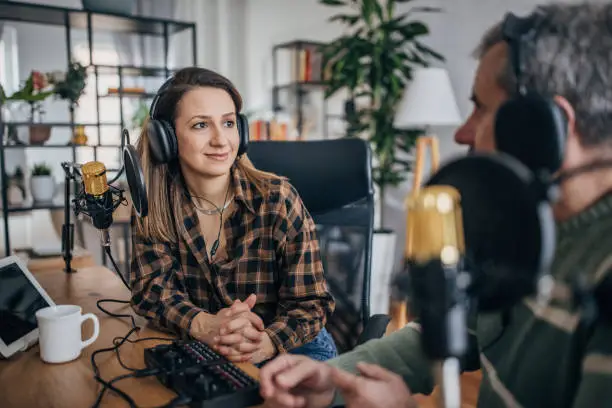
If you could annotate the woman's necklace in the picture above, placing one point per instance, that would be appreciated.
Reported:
(215, 245)
(216, 210)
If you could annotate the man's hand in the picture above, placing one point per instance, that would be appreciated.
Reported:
(375, 388)
(292, 381)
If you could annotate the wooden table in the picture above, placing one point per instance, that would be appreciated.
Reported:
(25, 381)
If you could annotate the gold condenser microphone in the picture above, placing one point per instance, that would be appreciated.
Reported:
(435, 252)
(98, 198)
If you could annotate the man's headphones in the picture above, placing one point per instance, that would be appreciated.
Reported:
(162, 137)
(530, 126)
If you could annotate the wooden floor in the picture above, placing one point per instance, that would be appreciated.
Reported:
(470, 382)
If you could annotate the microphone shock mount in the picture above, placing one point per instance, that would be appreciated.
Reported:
(88, 205)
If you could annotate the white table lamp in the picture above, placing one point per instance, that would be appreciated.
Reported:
(429, 100)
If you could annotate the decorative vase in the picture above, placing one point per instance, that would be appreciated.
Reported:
(39, 134)
(14, 195)
(43, 188)
(79, 138)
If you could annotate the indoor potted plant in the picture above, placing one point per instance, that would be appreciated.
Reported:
(42, 184)
(69, 85)
(374, 60)
(35, 90)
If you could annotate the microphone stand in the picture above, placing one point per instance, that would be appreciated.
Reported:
(71, 172)
(441, 302)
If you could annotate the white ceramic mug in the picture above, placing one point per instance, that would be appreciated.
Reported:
(59, 332)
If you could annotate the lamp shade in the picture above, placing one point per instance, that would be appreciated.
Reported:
(428, 100)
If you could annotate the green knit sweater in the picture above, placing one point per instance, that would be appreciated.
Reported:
(543, 357)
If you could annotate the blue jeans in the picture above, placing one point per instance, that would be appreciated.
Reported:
(321, 348)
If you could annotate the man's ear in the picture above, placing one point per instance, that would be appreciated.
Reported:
(570, 114)
(572, 144)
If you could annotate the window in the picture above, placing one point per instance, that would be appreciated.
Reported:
(9, 59)
(108, 109)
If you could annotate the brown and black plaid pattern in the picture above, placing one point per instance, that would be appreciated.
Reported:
(271, 250)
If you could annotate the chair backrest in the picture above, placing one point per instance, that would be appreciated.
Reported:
(334, 180)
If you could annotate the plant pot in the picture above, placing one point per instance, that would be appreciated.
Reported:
(383, 255)
(14, 195)
(43, 188)
(39, 134)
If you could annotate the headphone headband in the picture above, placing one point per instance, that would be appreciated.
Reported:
(157, 97)
(517, 31)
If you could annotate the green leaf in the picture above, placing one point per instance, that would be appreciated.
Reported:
(345, 18)
(378, 9)
(367, 8)
(426, 9)
(333, 2)
(426, 50)
(413, 29)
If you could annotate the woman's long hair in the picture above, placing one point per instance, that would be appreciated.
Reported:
(164, 183)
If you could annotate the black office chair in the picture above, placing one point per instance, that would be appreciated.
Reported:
(334, 180)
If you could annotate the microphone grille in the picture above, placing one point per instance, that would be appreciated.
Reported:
(94, 178)
(435, 225)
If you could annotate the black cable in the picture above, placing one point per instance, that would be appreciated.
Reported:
(117, 270)
(143, 372)
(116, 341)
(111, 314)
(106, 384)
(139, 373)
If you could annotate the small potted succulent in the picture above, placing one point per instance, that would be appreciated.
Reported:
(42, 183)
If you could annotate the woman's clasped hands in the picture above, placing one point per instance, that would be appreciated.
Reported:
(235, 332)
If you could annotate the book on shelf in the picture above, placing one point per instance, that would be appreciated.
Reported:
(273, 129)
(307, 65)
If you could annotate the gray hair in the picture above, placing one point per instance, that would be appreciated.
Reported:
(570, 56)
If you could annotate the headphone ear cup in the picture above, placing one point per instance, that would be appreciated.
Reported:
(162, 141)
(243, 133)
(533, 129)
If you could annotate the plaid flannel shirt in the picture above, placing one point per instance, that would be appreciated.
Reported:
(271, 250)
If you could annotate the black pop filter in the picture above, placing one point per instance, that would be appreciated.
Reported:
(508, 226)
(135, 179)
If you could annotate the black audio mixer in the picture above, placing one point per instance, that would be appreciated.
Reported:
(207, 379)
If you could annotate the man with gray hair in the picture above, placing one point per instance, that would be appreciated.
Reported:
(530, 357)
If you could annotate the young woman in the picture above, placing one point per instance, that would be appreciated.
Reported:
(227, 254)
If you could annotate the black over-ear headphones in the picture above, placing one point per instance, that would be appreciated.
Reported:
(162, 138)
(530, 126)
